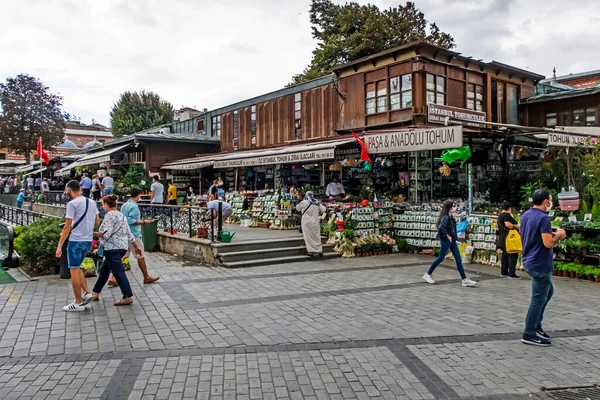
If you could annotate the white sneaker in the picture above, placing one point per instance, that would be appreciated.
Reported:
(86, 298)
(428, 279)
(74, 307)
(467, 282)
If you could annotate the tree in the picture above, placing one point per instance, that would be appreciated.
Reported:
(28, 111)
(348, 32)
(136, 111)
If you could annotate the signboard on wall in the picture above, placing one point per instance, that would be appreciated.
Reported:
(348, 151)
(570, 140)
(447, 137)
(300, 157)
(437, 114)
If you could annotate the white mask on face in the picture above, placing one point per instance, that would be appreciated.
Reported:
(549, 206)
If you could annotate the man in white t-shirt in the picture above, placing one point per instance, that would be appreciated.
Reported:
(30, 182)
(335, 188)
(157, 191)
(81, 218)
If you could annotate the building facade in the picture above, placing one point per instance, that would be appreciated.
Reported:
(392, 89)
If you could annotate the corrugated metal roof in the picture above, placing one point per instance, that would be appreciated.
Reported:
(578, 75)
(561, 95)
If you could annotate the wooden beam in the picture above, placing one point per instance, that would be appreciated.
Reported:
(498, 72)
(373, 63)
(395, 56)
(450, 57)
(511, 75)
(435, 54)
(354, 67)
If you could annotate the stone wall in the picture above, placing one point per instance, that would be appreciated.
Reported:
(55, 211)
(195, 249)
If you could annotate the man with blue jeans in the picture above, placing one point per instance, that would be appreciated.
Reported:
(538, 241)
(81, 218)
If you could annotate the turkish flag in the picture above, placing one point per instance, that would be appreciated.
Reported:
(42, 155)
(364, 154)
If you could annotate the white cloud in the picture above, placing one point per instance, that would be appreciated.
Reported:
(204, 54)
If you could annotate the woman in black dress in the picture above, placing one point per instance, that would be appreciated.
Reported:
(506, 222)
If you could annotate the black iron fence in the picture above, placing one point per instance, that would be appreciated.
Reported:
(191, 221)
(19, 216)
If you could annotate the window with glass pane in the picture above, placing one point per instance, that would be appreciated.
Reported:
(436, 89)
(236, 132)
(253, 126)
(407, 91)
(370, 104)
(478, 98)
(298, 115)
(513, 109)
(578, 117)
(564, 118)
(381, 96)
(501, 103)
(551, 120)
(216, 126)
(590, 117)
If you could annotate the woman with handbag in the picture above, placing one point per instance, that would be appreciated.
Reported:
(506, 223)
(115, 237)
(310, 210)
(448, 241)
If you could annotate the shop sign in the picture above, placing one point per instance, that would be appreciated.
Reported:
(570, 140)
(305, 156)
(438, 113)
(347, 152)
(448, 137)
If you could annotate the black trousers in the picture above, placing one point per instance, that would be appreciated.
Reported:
(509, 263)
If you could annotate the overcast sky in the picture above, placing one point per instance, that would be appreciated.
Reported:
(209, 54)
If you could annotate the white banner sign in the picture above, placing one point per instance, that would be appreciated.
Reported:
(305, 156)
(190, 166)
(570, 140)
(448, 137)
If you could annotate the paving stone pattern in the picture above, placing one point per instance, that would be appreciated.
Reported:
(326, 329)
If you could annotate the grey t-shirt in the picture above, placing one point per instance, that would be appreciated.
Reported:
(108, 182)
(158, 190)
(84, 232)
(215, 205)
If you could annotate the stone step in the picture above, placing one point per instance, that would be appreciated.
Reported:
(225, 248)
(268, 253)
(278, 260)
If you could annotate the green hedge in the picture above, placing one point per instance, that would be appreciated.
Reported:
(36, 245)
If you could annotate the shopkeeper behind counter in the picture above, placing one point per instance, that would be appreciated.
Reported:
(335, 188)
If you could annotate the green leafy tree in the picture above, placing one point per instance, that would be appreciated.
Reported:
(351, 31)
(136, 111)
(28, 111)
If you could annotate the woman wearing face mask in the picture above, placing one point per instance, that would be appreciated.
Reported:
(115, 237)
(447, 234)
(506, 222)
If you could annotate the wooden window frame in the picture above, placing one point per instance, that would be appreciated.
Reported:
(505, 109)
(378, 98)
(298, 116)
(236, 130)
(435, 90)
(400, 92)
(216, 126)
(474, 99)
(551, 116)
(253, 126)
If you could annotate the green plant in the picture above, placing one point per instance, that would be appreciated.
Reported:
(348, 233)
(596, 272)
(36, 245)
(350, 223)
(135, 178)
(403, 246)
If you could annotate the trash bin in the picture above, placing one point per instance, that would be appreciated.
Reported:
(150, 236)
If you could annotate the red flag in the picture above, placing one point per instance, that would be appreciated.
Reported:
(42, 155)
(364, 154)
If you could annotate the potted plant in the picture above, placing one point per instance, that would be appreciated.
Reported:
(589, 273)
(597, 275)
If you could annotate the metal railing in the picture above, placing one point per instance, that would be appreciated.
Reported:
(189, 220)
(19, 216)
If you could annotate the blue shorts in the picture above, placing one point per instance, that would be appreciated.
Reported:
(108, 191)
(76, 252)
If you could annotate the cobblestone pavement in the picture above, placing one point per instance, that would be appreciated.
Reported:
(335, 329)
